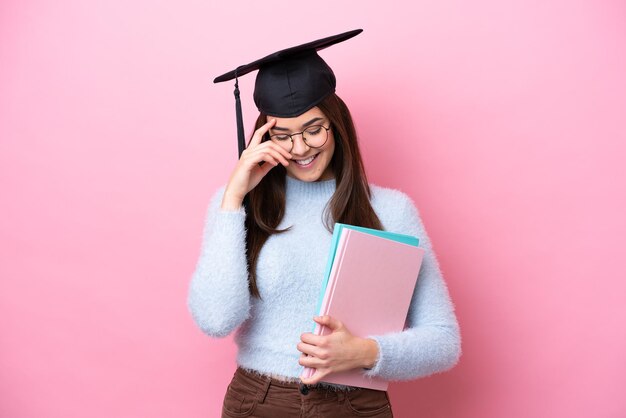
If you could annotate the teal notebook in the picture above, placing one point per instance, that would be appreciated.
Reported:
(405, 239)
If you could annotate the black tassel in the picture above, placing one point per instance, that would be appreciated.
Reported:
(241, 141)
(240, 133)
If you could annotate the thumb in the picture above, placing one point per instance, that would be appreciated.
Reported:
(315, 378)
(258, 172)
(265, 168)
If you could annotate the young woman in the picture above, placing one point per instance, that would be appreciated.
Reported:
(261, 263)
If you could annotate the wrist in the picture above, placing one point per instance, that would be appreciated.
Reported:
(231, 202)
(371, 354)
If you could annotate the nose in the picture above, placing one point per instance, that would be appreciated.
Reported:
(299, 146)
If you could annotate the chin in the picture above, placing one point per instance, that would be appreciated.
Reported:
(305, 177)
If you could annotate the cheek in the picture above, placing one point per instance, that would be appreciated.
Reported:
(331, 152)
(330, 145)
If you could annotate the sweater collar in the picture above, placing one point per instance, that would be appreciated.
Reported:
(310, 189)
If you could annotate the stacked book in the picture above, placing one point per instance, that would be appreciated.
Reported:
(368, 285)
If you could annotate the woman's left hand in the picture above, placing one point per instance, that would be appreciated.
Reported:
(336, 352)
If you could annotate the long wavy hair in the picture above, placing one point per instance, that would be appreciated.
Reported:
(350, 204)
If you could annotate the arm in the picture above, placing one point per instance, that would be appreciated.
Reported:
(218, 297)
(432, 342)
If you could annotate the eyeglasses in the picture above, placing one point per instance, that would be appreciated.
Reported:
(315, 136)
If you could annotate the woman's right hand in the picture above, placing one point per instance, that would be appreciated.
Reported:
(248, 173)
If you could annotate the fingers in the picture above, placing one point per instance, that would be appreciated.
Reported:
(257, 160)
(329, 321)
(257, 145)
(271, 145)
(265, 152)
(312, 350)
(271, 149)
(312, 339)
(265, 168)
(258, 134)
(310, 361)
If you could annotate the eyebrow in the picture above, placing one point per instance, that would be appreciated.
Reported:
(304, 125)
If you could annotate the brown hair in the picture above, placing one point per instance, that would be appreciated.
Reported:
(350, 204)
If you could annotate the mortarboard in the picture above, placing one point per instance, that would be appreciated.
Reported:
(289, 82)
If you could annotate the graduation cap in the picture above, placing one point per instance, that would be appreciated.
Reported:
(289, 82)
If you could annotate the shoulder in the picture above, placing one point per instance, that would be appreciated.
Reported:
(396, 210)
(388, 197)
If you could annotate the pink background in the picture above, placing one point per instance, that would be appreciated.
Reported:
(505, 121)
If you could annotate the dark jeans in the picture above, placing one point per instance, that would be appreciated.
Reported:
(251, 395)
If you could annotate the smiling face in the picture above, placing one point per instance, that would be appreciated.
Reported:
(318, 169)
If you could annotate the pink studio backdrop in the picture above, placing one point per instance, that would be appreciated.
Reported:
(504, 121)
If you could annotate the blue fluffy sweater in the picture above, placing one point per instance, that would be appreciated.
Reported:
(290, 269)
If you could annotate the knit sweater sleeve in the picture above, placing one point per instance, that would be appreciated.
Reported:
(218, 297)
(431, 341)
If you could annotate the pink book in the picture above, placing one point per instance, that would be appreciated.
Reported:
(369, 289)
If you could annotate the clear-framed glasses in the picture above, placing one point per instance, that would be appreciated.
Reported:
(315, 136)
